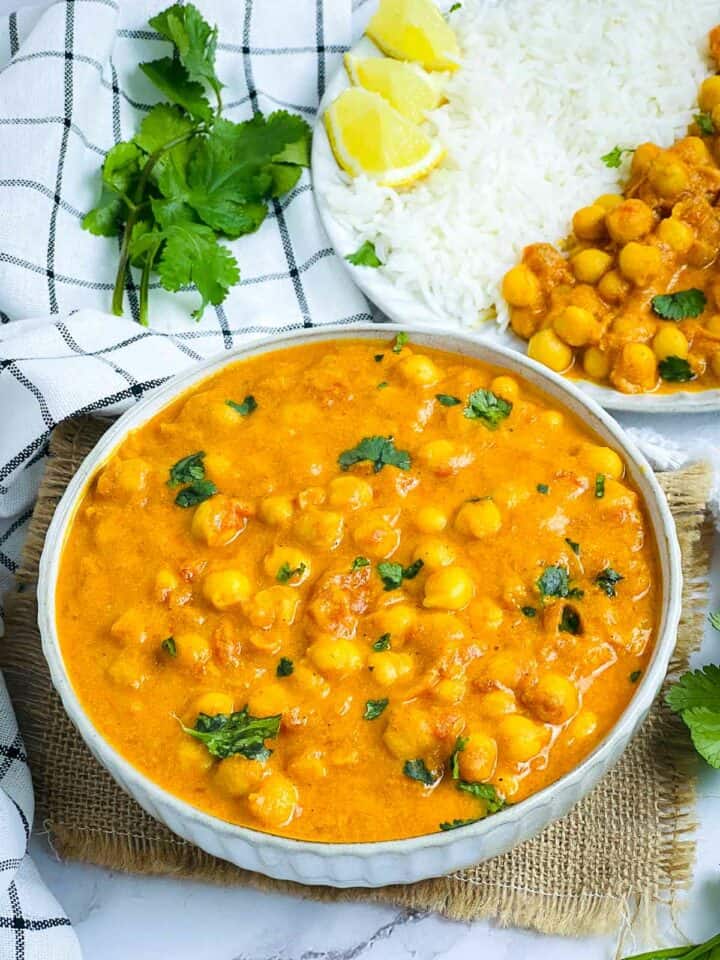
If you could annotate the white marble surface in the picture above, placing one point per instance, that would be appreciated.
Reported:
(118, 917)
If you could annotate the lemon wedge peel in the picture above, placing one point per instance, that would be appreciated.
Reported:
(408, 88)
(415, 30)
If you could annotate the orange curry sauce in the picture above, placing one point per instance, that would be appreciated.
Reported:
(515, 615)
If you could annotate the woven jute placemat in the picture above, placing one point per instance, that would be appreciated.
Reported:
(622, 852)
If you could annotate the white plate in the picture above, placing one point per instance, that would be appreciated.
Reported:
(406, 309)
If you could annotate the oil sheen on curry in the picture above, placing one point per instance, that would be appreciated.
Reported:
(358, 590)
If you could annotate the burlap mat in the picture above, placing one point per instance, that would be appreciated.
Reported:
(624, 850)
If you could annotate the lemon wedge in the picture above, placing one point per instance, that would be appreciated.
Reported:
(405, 86)
(415, 30)
(369, 136)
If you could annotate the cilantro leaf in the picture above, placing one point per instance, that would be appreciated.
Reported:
(454, 7)
(696, 697)
(105, 220)
(400, 341)
(169, 646)
(613, 158)
(575, 547)
(173, 80)
(705, 123)
(364, 256)
(192, 255)
(607, 580)
(248, 406)
(284, 668)
(187, 469)
(380, 451)
(483, 791)
(416, 770)
(286, 572)
(460, 745)
(447, 399)
(455, 824)
(676, 370)
(225, 734)
(528, 612)
(194, 40)
(359, 562)
(678, 306)
(198, 491)
(635, 676)
(373, 708)
(555, 582)
(543, 488)
(392, 574)
(714, 619)
(163, 124)
(382, 643)
(486, 406)
(569, 621)
(599, 486)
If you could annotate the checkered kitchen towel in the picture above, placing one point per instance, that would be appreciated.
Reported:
(69, 90)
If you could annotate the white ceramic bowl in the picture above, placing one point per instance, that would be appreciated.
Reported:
(396, 861)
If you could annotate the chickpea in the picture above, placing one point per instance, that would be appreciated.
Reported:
(547, 348)
(309, 767)
(444, 457)
(376, 536)
(193, 649)
(506, 387)
(275, 801)
(713, 325)
(670, 341)
(715, 116)
(276, 511)
(676, 234)
(478, 760)
(602, 460)
(126, 477)
(165, 583)
(583, 726)
(552, 419)
(131, 627)
(637, 364)
(521, 287)
(519, 738)
(267, 641)
(589, 222)
(630, 220)
(596, 363)
(397, 620)
(409, 733)
(280, 560)
(275, 605)
(388, 667)
(237, 776)
(219, 520)
(225, 588)
(505, 668)
(128, 670)
(193, 757)
(613, 287)
(351, 493)
(419, 370)
(554, 698)
(335, 655)
(497, 703)
(590, 265)
(451, 588)
(576, 326)
(430, 519)
(434, 553)
(485, 614)
(269, 700)
(450, 690)
(640, 263)
(523, 322)
(608, 201)
(643, 157)
(213, 703)
(668, 175)
(478, 519)
(322, 529)
(709, 95)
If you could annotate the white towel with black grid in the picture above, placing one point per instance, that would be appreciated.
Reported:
(70, 89)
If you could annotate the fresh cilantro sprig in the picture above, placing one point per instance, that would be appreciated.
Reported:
(676, 370)
(696, 697)
(679, 305)
(705, 123)
(380, 451)
(392, 574)
(189, 177)
(486, 406)
(417, 770)
(364, 256)
(226, 734)
(614, 157)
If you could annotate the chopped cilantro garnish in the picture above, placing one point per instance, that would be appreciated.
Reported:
(226, 734)
(447, 399)
(635, 676)
(198, 491)
(416, 770)
(285, 667)
(680, 305)
(248, 406)
(487, 407)
(286, 572)
(607, 580)
(483, 791)
(382, 385)
(543, 488)
(400, 340)
(364, 256)
(380, 451)
(169, 646)
(569, 621)
(676, 370)
(613, 159)
(392, 574)
(575, 547)
(359, 562)
(705, 124)
(378, 357)
(555, 582)
(456, 824)
(382, 643)
(528, 612)
(373, 708)
(599, 486)
(188, 469)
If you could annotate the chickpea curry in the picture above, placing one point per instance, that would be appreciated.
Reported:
(634, 300)
(358, 590)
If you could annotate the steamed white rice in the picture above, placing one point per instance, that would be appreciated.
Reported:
(546, 88)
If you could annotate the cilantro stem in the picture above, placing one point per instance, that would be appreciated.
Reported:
(680, 953)
(119, 289)
(145, 283)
